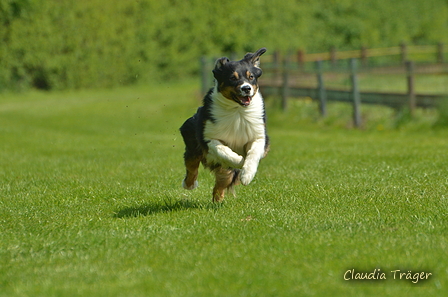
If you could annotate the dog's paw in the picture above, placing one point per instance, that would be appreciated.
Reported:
(237, 162)
(246, 176)
(192, 187)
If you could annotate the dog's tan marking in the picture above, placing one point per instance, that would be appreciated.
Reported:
(224, 178)
(255, 88)
(192, 166)
(227, 91)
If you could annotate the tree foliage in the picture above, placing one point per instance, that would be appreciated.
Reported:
(57, 44)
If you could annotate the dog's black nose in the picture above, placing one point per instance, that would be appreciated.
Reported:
(246, 88)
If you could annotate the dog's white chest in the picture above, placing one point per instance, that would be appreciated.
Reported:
(236, 125)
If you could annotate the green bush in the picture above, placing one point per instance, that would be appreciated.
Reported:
(61, 44)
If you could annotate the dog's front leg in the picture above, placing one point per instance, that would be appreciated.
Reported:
(222, 154)
(255, 152)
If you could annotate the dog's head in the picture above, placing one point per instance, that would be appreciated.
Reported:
(237, 80)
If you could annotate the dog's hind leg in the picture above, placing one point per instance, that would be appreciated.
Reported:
(225, 180)
(192, 164)
(193, 153)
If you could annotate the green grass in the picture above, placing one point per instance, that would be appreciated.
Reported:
(91, 203)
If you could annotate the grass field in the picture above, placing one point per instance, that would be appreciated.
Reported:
(91, 203)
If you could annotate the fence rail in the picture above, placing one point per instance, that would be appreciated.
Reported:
(394, 100)
(438, 51)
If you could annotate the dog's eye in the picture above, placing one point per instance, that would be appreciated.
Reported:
(234, 78)
(251, 77)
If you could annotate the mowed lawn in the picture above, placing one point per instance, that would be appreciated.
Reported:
(91, 204)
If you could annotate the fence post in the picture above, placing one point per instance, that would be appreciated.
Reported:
(333, 56)
(275, 59)
(404, 52)
(411, 86)
(355, 94)
(276, 65)
(204, 75)
(440, 53)
(301, 58)
(285, 84)
(364, 56)
(321, 94)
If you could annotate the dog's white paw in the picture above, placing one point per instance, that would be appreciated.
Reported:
(192, 187)
(247, 176)
(237, 162)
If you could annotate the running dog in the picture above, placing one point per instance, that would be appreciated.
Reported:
(228, 133)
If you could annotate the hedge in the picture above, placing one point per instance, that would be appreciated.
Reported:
(63, 44)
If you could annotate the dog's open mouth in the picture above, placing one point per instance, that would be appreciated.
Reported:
(243, 100)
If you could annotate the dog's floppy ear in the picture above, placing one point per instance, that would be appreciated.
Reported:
(221, 62)
(218, 65)
(255, 57)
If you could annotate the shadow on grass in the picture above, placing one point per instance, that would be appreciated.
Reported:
(166, 206)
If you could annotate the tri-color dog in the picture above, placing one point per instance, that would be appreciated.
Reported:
(228, 133)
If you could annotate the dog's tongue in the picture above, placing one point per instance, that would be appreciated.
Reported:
(245, 100)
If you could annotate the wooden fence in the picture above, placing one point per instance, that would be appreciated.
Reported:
(284, 76)
(403, 51)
